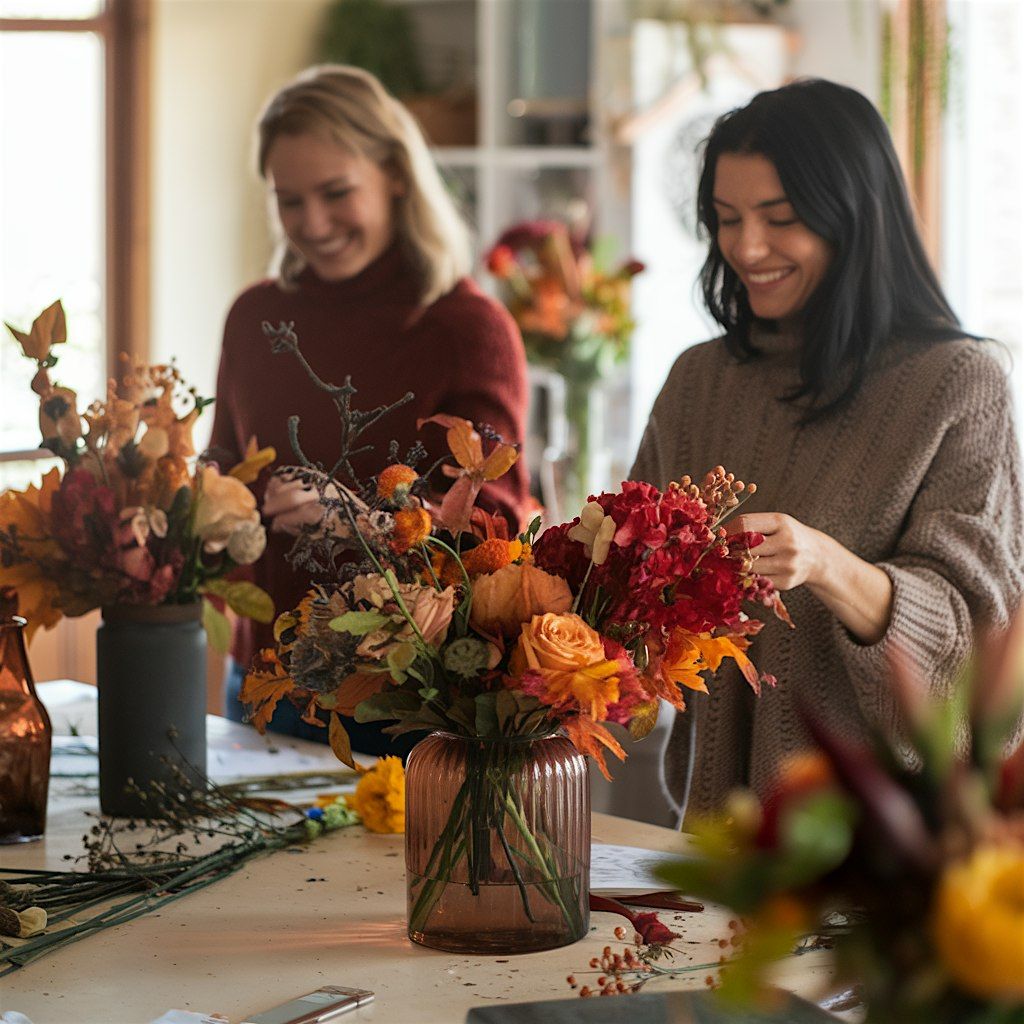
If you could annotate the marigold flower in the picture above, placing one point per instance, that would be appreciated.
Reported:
(395, 481)
(978, 921)
(379, 798)
(412, 528)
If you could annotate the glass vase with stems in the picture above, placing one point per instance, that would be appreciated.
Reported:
(497, 843)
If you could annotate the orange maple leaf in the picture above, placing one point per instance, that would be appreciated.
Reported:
(588, 737)
(262, 689)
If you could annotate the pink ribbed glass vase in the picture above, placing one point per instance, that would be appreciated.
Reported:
(497, 843)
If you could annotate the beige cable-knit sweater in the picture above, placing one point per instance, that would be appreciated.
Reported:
(920, 475)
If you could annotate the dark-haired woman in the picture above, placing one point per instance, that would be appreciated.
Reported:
(880, 436)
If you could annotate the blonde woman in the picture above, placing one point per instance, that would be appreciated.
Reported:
(371, 267)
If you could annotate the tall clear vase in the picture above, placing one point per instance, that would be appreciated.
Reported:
(497, 843)
(579, 444)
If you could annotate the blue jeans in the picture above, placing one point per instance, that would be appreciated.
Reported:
(366, 737)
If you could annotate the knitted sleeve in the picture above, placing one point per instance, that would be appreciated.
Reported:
(960, 559)
(487, 383)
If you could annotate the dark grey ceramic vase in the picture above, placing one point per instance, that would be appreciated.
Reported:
(151, 676)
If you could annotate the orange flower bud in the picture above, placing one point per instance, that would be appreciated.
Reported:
(395, 481)
(490, 556)
(412, 527)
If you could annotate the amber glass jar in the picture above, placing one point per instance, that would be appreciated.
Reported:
(25, 738)
(497, 843)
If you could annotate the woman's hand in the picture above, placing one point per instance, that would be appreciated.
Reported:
(792, 554)
(292, 504)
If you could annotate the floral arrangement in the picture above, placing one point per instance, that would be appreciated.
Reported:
(916, 875)
(575, 320)
(429, 614)
(134, 518)
(439, 619)
(574, 316)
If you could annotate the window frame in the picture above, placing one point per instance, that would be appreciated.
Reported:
(123, 27)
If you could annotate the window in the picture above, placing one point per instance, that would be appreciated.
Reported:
(983, 215)
(70, 187)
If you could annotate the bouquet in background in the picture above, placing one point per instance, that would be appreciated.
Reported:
(134, 518)
(575, 320)
(431, 615)
(917, 876)
(574, 316)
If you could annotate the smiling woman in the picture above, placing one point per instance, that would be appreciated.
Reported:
(879, 432)
(370, 269)
(334, 206)
(778, 258)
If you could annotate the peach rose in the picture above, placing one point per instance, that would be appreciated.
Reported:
(504, 600)
(560, 643)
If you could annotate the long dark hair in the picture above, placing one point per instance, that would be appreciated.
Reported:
(837, 165)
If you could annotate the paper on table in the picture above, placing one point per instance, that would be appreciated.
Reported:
(625, 870)
(232, 754)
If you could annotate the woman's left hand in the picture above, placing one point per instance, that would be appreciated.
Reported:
(859, 594)
(790, 554)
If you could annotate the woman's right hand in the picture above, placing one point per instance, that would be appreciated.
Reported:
(290, 503)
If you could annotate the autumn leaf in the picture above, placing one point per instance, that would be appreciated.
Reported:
(356, 688)
(645, 718)
(48, 329)
(588, 737)
(253, 462)
(261, 690)
(340, 743)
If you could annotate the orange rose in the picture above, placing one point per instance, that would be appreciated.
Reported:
(561, 643)
(567, 665)
(504, 600)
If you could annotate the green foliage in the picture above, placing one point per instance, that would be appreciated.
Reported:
(358, 623)
(377, 37)
(218, 629)
(243, 598)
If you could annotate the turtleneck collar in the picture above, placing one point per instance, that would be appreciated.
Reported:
(783, 343)
(387, 271)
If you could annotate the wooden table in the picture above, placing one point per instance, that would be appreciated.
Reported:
(329, 913)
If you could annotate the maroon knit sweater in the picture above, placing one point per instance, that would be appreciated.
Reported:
(461, 355)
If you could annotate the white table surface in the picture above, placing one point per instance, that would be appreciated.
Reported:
(285, 924)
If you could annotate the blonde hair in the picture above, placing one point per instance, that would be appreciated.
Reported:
(349, 106)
